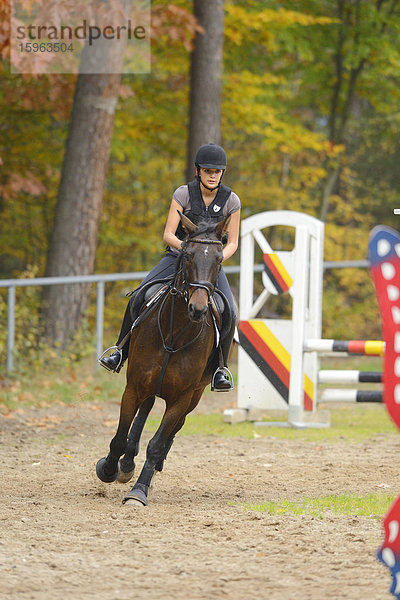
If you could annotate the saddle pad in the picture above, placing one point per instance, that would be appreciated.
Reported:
(152, 290)
(219, 303)
(222, 313)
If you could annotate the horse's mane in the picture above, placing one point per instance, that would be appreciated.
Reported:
(204, 228)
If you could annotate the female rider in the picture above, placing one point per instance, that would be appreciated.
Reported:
(204, 198)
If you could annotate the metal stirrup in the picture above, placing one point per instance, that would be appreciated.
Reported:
(226, 372)
(105, 352)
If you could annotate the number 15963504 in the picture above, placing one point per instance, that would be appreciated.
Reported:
(46, 47)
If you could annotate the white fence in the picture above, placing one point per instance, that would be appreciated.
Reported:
(100, 281)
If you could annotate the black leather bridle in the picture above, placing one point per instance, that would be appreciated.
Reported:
(170, 345)
(205, 285)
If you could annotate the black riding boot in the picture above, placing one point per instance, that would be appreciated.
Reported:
(221, 382)
(222, 379)
(116, 360)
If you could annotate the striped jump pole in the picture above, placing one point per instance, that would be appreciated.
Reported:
(360, 347)
(349, 376)
(349, 347)
(332, 395)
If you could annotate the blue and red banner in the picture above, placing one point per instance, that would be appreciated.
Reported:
(384, 256)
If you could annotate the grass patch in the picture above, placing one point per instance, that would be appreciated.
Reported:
(67, 386)
(358, 363)
(371, 505)
(352, 423)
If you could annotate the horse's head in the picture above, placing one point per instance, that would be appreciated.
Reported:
(201, 259)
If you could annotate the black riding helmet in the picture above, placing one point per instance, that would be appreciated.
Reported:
(210, 156)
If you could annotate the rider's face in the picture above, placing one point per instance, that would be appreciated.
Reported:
(210, 177)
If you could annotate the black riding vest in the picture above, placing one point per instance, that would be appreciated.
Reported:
(199, 211)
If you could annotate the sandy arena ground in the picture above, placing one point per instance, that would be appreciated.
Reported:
(65, 535)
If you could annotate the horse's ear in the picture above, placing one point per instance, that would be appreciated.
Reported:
(188, 226)
(222, 227)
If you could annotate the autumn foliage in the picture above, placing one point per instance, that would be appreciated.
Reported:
(310, 123)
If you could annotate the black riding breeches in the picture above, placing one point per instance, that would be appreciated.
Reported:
(164, 269)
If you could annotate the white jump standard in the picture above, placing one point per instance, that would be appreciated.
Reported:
(278, 359)
(268, 377)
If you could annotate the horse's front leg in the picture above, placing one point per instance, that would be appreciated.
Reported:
(127, 463)
(107, 467)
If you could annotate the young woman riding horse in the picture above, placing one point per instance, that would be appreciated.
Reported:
(205, 198)
(173, 353)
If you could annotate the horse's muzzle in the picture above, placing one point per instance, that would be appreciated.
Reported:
(196, 314)
(198, 299)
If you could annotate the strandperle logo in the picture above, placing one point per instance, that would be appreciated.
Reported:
(80, 36)
(84, 31)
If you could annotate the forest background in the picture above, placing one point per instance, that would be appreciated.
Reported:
(310, 116)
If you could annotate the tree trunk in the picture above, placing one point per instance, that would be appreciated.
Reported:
(206, 79)
(73, 242)
(326, 193)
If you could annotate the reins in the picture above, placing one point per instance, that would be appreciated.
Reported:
(170, 345)
(202, 241)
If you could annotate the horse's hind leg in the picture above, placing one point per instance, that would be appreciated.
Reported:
(159, 446)
(157, 449)
(193, 403)
(127, 462)
(107, 468)
(160, 465)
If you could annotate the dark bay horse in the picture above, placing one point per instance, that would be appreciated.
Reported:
(171, 355)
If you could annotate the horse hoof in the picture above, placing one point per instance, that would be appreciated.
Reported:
(124, 477)
(134, 502)
(138, 496)
(101, 473)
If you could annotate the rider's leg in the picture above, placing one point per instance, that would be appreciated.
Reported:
(164, 269)
(221, 381)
